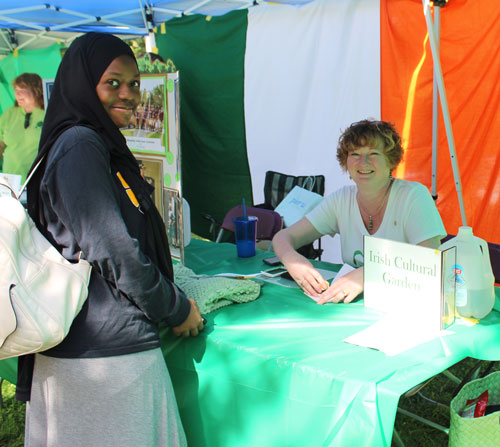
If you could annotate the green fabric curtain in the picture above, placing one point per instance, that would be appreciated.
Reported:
(44, 62)
(209, 53)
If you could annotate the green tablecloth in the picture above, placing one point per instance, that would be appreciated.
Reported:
(275, 372)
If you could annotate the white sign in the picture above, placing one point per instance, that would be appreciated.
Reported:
(408, 280)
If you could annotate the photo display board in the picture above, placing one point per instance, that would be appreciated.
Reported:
(153, 137)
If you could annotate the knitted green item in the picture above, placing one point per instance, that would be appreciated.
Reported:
(212, 293)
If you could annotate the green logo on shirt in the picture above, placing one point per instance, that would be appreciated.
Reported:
(358, 258)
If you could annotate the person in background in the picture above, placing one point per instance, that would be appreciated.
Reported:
(21, 125)
(377, 204)
(107, 383)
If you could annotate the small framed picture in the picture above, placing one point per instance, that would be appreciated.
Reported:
(174, 222)
(146, 130)
(47, 85)
(152, 171)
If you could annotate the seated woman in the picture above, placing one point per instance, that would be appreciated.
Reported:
(377, 204)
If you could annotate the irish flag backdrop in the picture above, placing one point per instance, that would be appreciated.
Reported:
(271, 88)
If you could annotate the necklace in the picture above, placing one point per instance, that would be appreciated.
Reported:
(371, 216)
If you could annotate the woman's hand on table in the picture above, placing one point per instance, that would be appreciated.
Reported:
(192, 325)
(285, 244)
(344, 289)
(307, 277)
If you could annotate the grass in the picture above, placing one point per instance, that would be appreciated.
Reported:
(11, 418)
(413, 433)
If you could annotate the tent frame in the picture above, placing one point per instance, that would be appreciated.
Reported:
(115, 23)
(439, 83)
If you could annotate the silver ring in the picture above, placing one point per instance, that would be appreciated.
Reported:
(300, 282)
(345, 293)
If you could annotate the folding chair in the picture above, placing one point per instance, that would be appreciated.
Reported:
(495, 260)
(277, 185)
(270, 222)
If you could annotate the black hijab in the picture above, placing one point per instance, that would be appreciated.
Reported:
(74, 102)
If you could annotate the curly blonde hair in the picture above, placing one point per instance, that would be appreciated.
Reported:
(375, 134)
(33, 82)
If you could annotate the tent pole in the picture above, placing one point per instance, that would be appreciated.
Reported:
(444, 106)
(150, 40)
(435, 110)
(9, 45)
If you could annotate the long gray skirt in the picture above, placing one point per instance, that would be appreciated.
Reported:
(120, 401)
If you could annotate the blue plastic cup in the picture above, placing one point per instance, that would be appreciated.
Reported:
(245, 230)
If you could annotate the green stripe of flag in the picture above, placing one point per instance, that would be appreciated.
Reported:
(209, 54)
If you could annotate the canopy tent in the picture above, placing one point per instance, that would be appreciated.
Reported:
(364, 58)
(62, 19)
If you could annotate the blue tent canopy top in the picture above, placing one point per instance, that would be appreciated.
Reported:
(129, 17)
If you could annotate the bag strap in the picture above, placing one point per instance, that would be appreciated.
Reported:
(5, 183)
(310, 179)
(29, 177)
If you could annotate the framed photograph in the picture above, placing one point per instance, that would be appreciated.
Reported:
(146, 131)
(152, 172)
(173, 206)
(47, 86)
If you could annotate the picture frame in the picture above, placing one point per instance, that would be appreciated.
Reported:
(152, 171)
(174, 221)
(47, 86)
(148, 131)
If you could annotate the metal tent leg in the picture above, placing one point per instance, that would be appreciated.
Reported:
(438, 73)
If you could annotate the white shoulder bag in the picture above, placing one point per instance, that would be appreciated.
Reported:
(40, 291)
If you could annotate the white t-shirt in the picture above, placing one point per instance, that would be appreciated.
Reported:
(410, 216)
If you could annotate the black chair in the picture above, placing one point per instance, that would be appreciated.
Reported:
(277, 185)
(495, 260)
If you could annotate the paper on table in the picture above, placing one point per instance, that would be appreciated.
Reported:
(394, 334)
(346, 268)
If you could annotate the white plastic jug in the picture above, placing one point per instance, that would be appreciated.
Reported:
(474, 280)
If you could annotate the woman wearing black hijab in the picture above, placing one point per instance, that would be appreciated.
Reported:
(107, 383)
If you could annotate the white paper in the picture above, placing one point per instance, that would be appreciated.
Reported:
(346, 268)
(394, 334)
